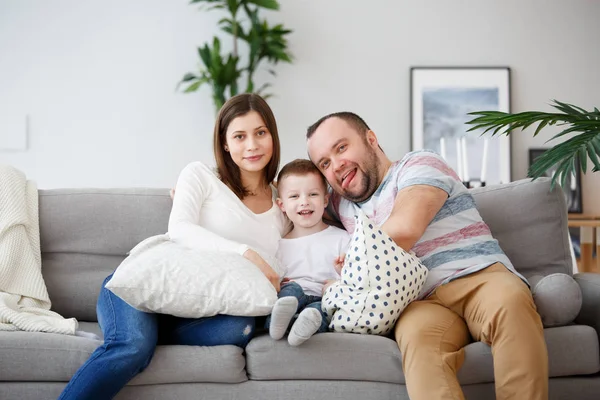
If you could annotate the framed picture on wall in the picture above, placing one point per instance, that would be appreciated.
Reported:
(441, 98)
(572, 186)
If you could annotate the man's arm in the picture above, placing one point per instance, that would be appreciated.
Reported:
(414, 208)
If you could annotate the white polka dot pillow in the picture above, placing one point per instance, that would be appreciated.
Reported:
(378, 281)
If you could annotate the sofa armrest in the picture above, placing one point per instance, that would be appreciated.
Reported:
(590, 308)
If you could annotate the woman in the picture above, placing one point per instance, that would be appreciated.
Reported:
(232, 211)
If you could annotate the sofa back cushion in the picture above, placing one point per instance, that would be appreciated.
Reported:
(86, 233)
(530, 222)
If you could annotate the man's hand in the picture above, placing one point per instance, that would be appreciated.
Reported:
(338, 264)
(265, 268)
(414, 209)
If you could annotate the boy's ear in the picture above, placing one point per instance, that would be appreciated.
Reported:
(280, 204)
(326, 200)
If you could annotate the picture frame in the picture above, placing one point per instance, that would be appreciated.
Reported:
(440, 100)
(572, 189)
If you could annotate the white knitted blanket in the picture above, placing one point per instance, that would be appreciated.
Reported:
(24, 301)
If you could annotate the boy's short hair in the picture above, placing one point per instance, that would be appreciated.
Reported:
(300, 167)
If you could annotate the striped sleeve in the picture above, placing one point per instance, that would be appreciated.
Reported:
(427, 168)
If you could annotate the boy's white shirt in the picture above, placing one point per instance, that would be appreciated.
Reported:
(309, 260)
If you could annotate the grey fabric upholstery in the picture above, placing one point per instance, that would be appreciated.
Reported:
(590, 308)
(572, 350)
(331, 356)
(557, 298)
(85, 234)
(571, 388)
(48, 357)
(530, 223)
(101, 221)
(70, 276)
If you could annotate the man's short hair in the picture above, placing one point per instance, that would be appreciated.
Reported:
(300, 167)
(352, 119)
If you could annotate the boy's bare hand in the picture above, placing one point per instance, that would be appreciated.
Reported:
(338, 264)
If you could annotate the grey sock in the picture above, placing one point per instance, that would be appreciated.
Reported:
(306, 325)
(283, 311)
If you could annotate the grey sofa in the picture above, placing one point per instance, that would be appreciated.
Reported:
(85, 234)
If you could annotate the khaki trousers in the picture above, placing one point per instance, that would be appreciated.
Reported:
(493, 306)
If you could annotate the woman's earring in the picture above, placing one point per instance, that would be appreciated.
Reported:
(226, 148)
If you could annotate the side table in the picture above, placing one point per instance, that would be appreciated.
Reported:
(589, 226)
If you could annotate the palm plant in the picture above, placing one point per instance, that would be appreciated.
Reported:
(265, 43)
(568, 155)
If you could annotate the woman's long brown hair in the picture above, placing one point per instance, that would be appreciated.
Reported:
(239, 105)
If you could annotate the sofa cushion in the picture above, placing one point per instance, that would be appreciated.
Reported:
(74, 280)
(326, 356)
(86, 233)
(101, 221)
(28, 356)
(572, 350)
(530, 222)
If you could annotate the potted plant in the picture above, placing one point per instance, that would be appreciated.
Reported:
(223, 72)
(568, 155)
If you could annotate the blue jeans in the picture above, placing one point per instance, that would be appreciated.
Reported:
(304, 301)
(130, 337)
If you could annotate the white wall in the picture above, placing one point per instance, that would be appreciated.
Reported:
(98, 77)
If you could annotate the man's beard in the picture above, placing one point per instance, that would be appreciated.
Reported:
(369, 181)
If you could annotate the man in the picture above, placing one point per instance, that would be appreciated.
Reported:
(472, 288)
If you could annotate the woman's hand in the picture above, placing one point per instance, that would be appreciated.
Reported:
(265, 268)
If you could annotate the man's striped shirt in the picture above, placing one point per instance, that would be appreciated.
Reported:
(456, 243)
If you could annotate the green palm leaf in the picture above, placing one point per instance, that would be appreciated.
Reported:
(269, 4)
(566, 156)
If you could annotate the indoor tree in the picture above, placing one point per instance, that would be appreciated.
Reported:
(227, 74)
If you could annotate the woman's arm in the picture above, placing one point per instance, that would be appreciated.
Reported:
(192, 187)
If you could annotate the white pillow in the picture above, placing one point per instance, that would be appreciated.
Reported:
(164, 277)
(378, 281)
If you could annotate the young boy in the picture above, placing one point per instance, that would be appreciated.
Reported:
(312, 253)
